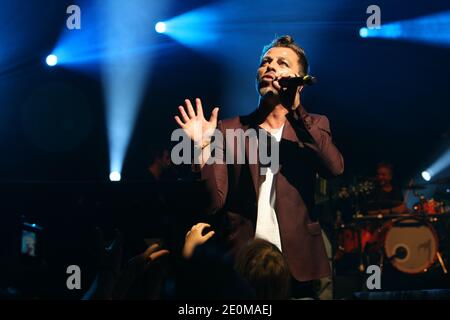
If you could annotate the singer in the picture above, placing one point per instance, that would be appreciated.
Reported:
(276, 206)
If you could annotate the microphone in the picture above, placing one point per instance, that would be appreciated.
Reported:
(297, 81)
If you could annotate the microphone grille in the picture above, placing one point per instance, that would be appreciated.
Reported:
(309, 80)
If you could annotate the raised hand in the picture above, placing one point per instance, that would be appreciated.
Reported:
(110, 257)
(109, 264)
(136, 267)
(194, 124)
(195, 238)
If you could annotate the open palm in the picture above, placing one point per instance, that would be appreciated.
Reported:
(194, 124)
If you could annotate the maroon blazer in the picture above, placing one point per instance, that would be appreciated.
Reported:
(306, 148)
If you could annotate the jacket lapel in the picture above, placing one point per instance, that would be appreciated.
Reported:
(289, 133)
(252, 144)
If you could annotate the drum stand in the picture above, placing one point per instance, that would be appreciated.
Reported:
(441, 262)
(438, 253)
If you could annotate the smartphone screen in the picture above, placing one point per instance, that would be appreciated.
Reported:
(29, 243)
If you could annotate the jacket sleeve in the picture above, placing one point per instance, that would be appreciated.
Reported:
(315, 134)
(215, 174)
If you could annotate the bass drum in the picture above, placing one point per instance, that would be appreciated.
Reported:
(410, 244)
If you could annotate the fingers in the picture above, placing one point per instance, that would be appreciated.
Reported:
(199, 108)
(151, 249)
(186, 116)
(214, 115)
(190, 109)
(158, 254)
(154, 252)
(209, 235)
(276, 84)
(200, 226)
(197, 229)
(178, 120)
(183, 114)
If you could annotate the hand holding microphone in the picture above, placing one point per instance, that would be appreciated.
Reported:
(289, 87)
(293, 82)
(297, 81)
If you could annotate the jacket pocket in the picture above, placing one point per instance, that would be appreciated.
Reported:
(314, 228)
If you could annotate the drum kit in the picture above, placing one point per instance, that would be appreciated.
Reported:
(409, 242)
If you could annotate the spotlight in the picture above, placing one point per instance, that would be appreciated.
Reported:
(160, 27)
(52, 60)
(431, 29)
(115, 176)
(426, 175)
(363, 32)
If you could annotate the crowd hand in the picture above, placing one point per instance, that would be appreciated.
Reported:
(136, 267)
(194, 124)
(109, 263)
(195, 238)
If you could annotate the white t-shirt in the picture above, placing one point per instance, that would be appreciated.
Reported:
(266, 221)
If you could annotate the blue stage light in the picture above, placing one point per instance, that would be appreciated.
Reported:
(115, 176)
(115, 44)
(431, 29)
(426, 175)
(160, 27)
(363, 32)
(440, 165)
(51, 60)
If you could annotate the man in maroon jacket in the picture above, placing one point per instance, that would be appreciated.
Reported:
(273, 204)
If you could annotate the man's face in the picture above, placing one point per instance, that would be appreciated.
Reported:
(277, 62)
(165, 160)
(384, 176)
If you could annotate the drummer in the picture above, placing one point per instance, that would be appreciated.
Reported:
(385, 198)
